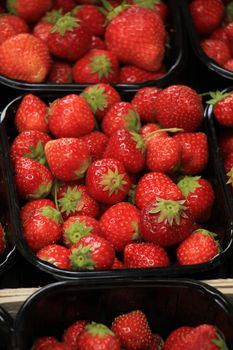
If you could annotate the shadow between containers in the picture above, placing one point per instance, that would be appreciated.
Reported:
(6, 330)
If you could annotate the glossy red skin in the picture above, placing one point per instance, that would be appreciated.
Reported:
(44, 341)
(88, 341)
(92, 18)
(223, 111)
(11, 25)
(143, 101)
(60, 73)
(97, 43)
(55, 254)
(96, 142)
(41, 30)
(30, 207)
(71, 334)
(176, 337)
(203, 336)
(217, 50)
(2, 240)
(149, 128)
(132, 74)
(32, 10)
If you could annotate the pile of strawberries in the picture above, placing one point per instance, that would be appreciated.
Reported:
(106, 187)
(63, 41)
(131, 331)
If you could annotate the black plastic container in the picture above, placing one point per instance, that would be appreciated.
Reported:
(175, 59)
(168, 304)
(6, 330)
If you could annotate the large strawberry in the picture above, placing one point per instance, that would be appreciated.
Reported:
(71, 333)
(176, 338)
(31, 207)
(144, 101)
(92, 17)
(11, 25)
(30, 10)
(96, 142)
(56, 255)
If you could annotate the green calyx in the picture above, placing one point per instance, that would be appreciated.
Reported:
(37, 153)
(70, 201)
(113, 182)
(53, 16)
(80, 258)
(220, 342)
(101, 65)
(133, 120)
(51, 213)
(98, 329)
(140, 144)
(148, 4)
(216, 96)
(169, 211)
(11, 6)
(230, 175)
(82, 169)
(189, 184)
(42, 191)
(131, 194)
(76, 230)
(136, 232)
(210, 234)
(111, 12)
(229, 11)
(64, 24)
(96, 98)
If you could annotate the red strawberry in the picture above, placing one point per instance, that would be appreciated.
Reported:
(97, 336)
(119, 224)
(198, 248)
(24, 57)
(220, 34)
(120, 115)
(225, 140)
(176, 337)
(107, 181)
(70, 116)
(60, 72)
(65, 5)
(133, 25)
(11, 25)
(143, 101)
(97, 66)
(101, 97)
(199, 195)
(228, 165)
(205, 336)
(217, 50)
(157, 343)
(155, 185)
(194, 152)
(206, 14)
(2, 240)
(69, 39)
(68, 158)
(57, 346)
(96, 142)
(71, 333)
(97, 43)
(229, 35)
(133, 74)
(166, 222)
(44, 26)
(133, 330)
(179, 106)
(33, 180)
(92, 17)
(31, 114)
(117, 264)
(42, 342)
(229, 65)
(42, 228)
(31, 207)
(30, 10)
(147, 129)
(158, 6)
(56, 255)
(223, 107)
(141, 255)
(92, 252)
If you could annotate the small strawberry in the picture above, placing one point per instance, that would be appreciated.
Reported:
(31, 207)
(97, 336)
(205, 336)
(68, 158)
(143, 101)
(96, 142)
(42, 342)
(56, 255)
(97, 66)
(107, 181)
(60, 72)
(11, 25)
(92, 17)
(97, 43)
(133, 74)
(198, 248)
(217, 50)
(222, 107)
(71, 333)
(91, 252)
(29, 10)
(33, 180)
(133, 330)
(157, 343)
(2, 240)
(141, 255)
(70, 116)
(176, 337)
(31, 114)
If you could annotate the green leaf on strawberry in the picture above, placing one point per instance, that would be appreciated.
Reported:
(220, 342)
(42, 191)
(75, 231)
(148, 4)
(69, 201)
(82, 169)
(51, 213)
(102, 65)
(188, 184)
(80, 258)
(96, 98)
(140, 144)
(53, 16)
(169, 210)
(113, 181)
(216, 96)
(133, 120)
(136, 233)
(65, 23)
(36, 153)
(98, 329)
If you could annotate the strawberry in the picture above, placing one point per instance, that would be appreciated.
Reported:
(96, 142)
(100, 97)
(60, 72)
(228, 165)
(217, 50)
(229, 36)
(155, 185)
(179, 106)
(30, 10)
(225, 140)
(220, 34)
(44, 26)
(69, 39)
(11, 25)
(107, 181)
(119, 224)
(147, 129)
(42, 342)
(132, 74)
(120, 115)
(42, 228)
(229, 65)
(31, 114)
(65, 5)
(70, 116)
(56, 346)
(31, 207)
(92, 17)
(143, 101)
(29, 144)
(56, 255)
(2, 240)
(24, 57)
(198, 248)
(194, 152)
(157, 343)
(97, 43)
(141, 255)
(166, 222)
(199, 195)
(92, 252)
(206, 14)
(68, 158)
(176, 337)
(76, 227)
(158, 6)
(33, 180)
(133, 330)
(222, 107)
(133, 25)
(71, 333)
(97, 336)
(97, 66)
(117, 264)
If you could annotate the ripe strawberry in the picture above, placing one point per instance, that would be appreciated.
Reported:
(56, 255)
(31, 207)
(133, 330)
(92, 252)
(68, 158)
(217, 50)
(143, 101)
(147, 129)
(64, 5)
(44, 26)
(133, 74)
(166, 222)
(70, 116)
(30, 10)
(42, 228)
(199, 195)
(100, 97)
(117, 264)
(220, 34)
(205, 336)
(96, 142)
(107, 181)
(198, 248)
(229, 65)
(71, 333)
(158, 6)
(60, 72)
(225, 140)
(97, 66)
(229, 34)
(157, 343)
(222, 107)
(133, 25)
(68, 38)
(2, 240)
(141, 255)
(33, 180)
(92, 17)
(97, 43)
(24, 57)
(31, 114)
(228, 165)
(11, 25)
(194, 152)
(119, 224)
(179, 106)
(42, 342)
(155, 185)
(206, 14)
(97, 336)
(176, 338)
